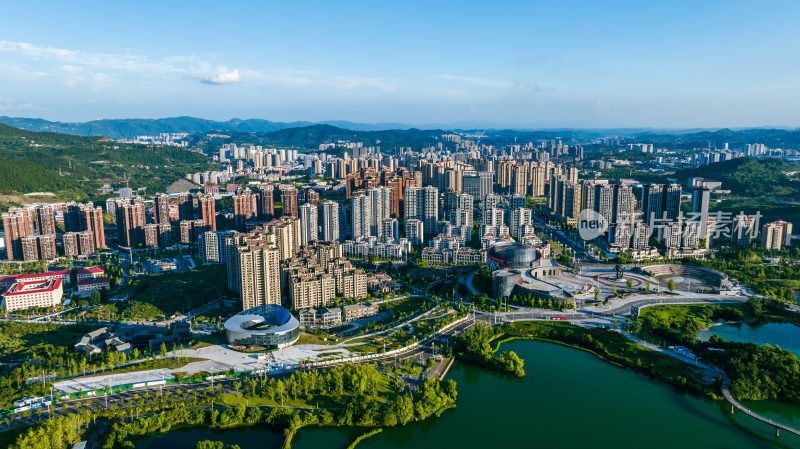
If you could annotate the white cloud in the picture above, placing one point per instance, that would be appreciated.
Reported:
(75, 68)
(37, 52)
(96, 70)
(492, 83)
(476, 80)
(19, 72)
(224, 77)
(354, 82)
(316, 79)
(101, 61)
(8, 104)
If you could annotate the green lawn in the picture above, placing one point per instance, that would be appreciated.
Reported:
(209, 340)
(331, 354)
(368, 347)
(314, 339)
(17, 339)
(168, 293)
(704, 313)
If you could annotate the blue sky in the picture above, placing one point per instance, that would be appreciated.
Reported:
(527, 64)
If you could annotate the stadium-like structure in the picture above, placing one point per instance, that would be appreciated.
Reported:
(512, 255)
(270, 326)
(713, 278)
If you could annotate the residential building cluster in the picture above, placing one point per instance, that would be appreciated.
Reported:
(269, 263)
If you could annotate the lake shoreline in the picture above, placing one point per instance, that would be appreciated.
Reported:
(522, 404)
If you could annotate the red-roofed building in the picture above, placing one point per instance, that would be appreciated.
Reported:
(90, 285)
(41, 293)
(90, 273)
(63, 275)
(8, 281)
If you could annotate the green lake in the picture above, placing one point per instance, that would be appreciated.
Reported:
(785, 335)
(569, 398)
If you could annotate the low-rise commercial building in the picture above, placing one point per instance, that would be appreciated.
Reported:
(90, 273)
(358, 311)
(364, 247)
(86, 286)
(324, 317)
(453, 256)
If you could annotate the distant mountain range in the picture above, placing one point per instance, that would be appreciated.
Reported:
(130, 128)
(497, 134)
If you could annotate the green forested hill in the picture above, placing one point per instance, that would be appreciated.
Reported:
(750, 177)
(775, 138)
(129, 128)
(25, 176)
(63, 163)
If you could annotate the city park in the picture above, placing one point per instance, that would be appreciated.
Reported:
(413, 339)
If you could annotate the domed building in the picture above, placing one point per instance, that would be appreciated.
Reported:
(513, 255)
(270, 326)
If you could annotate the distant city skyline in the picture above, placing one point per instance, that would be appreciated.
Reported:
(577, 64)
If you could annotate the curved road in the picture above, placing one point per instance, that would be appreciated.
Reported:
(97, 403)
(539, 314)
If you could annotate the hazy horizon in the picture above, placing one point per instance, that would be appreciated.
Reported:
(471, 126)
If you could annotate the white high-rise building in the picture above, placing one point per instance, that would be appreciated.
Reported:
(380, 199)
(493, 217)
(213, 247)
(461, 217)
(422, 203)
(516, 201)
(360, 215)
(491, 201)
(330, 221)
(308, 223)
(390, 229)
(415, 231)
(462, 214)
(640, 236)
(672, 235)
(701, 196)
(520, 217)
(464, 201)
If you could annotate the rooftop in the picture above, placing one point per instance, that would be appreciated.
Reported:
(24, 288)
(23, 277)
(92, 281)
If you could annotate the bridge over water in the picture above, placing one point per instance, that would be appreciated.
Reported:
(737, 405)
